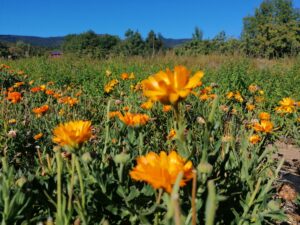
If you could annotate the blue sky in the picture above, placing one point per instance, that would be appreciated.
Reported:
(172, 18)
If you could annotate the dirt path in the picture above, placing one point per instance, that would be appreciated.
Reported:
(290, 180)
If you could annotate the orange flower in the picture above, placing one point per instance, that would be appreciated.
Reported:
(264, 126)
(230, 95)
(124, 76)
(253, 88)
(287, 105)
(254, 139)
(43, 87)
(38, 136)
(161, 171)
(18, 84)
(49, 92)
(72, 134)
(250, 107)
(167, 108)
(114, 114)
(169, 87)
(14, 97)
(134, 120)
(35, 89)
(264, 116)
(40, 110)
(172, 134)
(147, 105)
(126, 108)
(68, 100)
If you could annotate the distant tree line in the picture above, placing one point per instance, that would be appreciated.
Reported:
(273, 31)
(21, 49)
(103, 46)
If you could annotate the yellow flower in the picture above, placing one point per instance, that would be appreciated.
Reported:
(37, 136)
(230, 95)
(172, 134)
(18, 84)
(108, 73)
(287, 105)
(110, 85)
(264, 116)
(250, 107)
(238, 97)
(161, 171)
(169, 87)
(12, 121)
(254, 139)
(264, 126)
(147, 105)
(131, 76)
(72, 134)
(134, 120)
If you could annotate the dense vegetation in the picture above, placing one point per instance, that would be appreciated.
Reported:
(219, 127)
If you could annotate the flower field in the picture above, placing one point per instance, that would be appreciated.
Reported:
(145, 141)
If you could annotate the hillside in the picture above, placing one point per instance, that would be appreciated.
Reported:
(54, 42)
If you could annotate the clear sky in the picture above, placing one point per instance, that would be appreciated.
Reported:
(172, 18)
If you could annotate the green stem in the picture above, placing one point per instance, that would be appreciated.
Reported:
(71, 183)
(59, 218)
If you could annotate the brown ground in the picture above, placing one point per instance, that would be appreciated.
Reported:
(289, 180)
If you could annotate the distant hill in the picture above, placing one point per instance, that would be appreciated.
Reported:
(52, 42)
(55, 42)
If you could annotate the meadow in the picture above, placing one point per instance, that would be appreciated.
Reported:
(163, 140)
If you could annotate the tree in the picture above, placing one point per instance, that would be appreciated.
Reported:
(198, 34)
(153, 43)
(273, 31)
(3, 50)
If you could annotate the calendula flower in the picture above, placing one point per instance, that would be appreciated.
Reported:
(131, 76)
(147, 105)
(68, 100)
(108, 73)
(253, 88)
(171, 134)
(161, 171)
(72, 134)
(40, 110)
(238, 97)
(230, 95)
(114, 114)
(35, 89)
(124, 76)
(259, 99)
(43, 87)
(287, 105)
(167, 108)
(49, 92)
(250, 107)
(38, 136)
(18, 84)
(12, 121)
(31, 82)
(126, 108)
(206, 90)
(264, 116)
(110, 85)
(254, 139)
(14, 97)
(265, 126)
(169, 87)
(134, 119)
